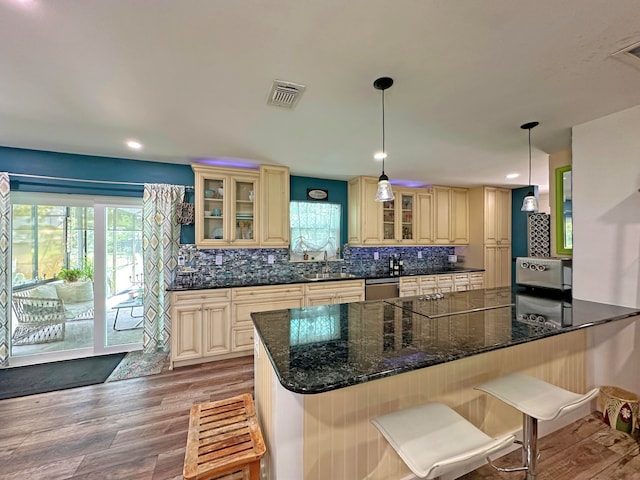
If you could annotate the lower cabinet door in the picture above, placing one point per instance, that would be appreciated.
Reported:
(186, 332)
(217, 328)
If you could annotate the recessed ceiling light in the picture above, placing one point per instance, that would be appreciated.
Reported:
(513, 175)
(380, 156)
(134, 144)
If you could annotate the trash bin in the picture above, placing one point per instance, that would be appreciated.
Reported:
(619, 408)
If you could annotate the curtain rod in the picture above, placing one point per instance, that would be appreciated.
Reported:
(110, 182)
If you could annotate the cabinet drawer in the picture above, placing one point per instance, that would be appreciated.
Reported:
(242, 339)
(409, 282)
(341, 286)
(267, 292)
(410, 291)
(476, 277)
(428, 281)
(445, 279)
(348, 296)
(242, 310)
(222, 294)
(461, 278)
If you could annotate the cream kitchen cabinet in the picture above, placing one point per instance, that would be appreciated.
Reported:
(200, 326)
(226, 207)
(497, 216)
(443, 283)
(490, 234)
(497, 260)
(399, 219)
(329, 293)
(246, 300)
(417, 216)
(476, 280)
(451, 216)
(424, 227)
(409, 286)
(274, 206)
(365, 214)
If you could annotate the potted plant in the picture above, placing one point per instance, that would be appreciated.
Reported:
(71, 275)
(78, 283)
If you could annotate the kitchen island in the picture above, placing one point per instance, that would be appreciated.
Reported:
(323, 372)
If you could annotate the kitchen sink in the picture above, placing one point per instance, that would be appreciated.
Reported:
(327, 276)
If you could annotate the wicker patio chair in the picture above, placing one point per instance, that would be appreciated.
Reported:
(39, 320)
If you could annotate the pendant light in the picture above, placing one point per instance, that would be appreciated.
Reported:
(530, 203)
(384, 193)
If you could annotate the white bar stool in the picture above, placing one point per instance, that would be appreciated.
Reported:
(537, 400)
(433, 440)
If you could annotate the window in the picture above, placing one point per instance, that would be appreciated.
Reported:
(315, 229)
(46, 238)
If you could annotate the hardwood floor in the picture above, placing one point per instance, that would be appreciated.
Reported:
(132, 429)
(137, 429)
(584, 450)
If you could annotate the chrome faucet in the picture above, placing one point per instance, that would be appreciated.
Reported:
(325, 269)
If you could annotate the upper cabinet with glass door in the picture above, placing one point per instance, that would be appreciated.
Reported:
(398, 218)
(226, 213)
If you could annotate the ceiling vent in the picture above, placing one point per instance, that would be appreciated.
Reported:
(630, 54)
(285, 94)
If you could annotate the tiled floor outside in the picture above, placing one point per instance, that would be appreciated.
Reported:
(79, 333)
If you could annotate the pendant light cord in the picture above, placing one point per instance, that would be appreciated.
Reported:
(384, 151)
(529, 157)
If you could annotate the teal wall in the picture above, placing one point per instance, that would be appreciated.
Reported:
(519, 226)
(337, 194)
(36, 162)
(53, 164)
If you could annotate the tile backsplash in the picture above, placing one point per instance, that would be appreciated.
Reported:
(254, 263)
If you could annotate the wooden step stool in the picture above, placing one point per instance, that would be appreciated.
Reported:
(224, 441)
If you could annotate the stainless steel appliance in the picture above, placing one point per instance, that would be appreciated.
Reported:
(379, 288)
(553, 273)
(543, 311)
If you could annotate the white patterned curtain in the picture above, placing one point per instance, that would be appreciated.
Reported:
(160, 243)
(5, 265)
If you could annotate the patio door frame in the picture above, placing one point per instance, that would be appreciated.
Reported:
(99, 205)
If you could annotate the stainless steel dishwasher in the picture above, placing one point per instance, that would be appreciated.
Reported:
(379, 288)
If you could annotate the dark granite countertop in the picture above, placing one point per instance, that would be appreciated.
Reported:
(317, 349)
(192, 281)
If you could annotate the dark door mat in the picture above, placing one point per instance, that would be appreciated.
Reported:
(47, 377)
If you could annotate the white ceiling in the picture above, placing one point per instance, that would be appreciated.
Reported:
(190, 80)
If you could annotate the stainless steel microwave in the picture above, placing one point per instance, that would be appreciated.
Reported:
(544, 272)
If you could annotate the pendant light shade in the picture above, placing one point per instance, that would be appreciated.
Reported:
(530, 202)
(384, 193)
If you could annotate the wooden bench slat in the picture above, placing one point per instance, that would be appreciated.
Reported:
(224, 438)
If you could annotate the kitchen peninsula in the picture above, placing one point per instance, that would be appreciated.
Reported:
(323, 372)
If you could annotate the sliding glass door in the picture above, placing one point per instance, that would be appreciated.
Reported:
(124, 281)
(77, 273)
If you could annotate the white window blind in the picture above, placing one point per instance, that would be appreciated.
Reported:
(315, 229)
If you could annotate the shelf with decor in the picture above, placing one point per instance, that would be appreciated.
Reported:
(399, 218)
(225, 206)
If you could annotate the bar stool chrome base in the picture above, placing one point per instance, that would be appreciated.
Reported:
(537, 400)
(432, 439)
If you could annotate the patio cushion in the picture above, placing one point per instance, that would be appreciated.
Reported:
(75, 292)
(44, 291)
